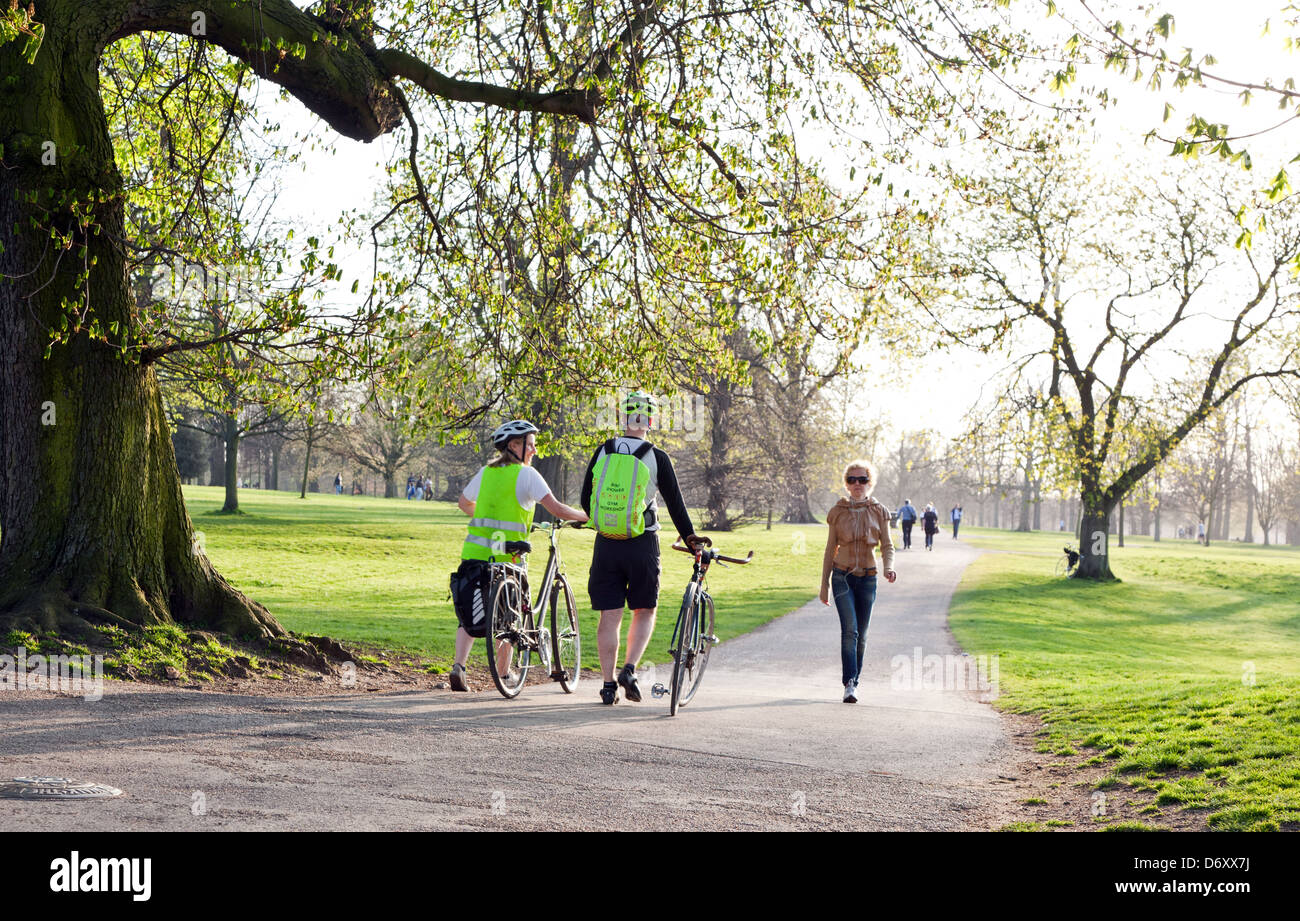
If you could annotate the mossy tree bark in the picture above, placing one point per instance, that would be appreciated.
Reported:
(93, 524)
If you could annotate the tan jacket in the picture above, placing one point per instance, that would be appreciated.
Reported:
(854, 530)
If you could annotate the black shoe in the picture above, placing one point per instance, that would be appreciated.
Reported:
(609, 694)
(457, 678)
(627, 681)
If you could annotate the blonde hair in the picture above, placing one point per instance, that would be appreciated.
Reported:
(867, 467)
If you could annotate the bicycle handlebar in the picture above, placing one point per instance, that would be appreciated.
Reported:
(678, 545)
(549, 525)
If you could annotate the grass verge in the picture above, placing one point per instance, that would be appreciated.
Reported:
(1183, 679)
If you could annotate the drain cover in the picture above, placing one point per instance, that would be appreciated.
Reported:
(54, 788)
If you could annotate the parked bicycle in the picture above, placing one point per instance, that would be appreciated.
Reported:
(1065, 564)
(693, 636)
(517, 629)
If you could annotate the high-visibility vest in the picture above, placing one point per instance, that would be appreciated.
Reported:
(498, 516)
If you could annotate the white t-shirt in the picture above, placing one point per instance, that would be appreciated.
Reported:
(530, 488)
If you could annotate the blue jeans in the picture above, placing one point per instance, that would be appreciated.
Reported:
(854, 596)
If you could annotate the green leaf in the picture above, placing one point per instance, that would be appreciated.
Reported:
(34, 43)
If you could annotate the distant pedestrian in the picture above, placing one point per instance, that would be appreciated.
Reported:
(410, 487)
(907, 518)
(1200, 532)
(338, 484)
(930, 524)
(955, 515)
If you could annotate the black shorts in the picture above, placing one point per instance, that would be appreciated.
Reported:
(625, 572)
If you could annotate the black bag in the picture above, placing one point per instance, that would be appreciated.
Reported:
(469, 588)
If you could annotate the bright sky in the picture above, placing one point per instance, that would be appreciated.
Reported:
(931, 392)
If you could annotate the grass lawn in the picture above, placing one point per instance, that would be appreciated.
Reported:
(375, 571)
(1184, 677)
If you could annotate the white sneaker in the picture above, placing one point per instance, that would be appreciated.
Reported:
(850, 693)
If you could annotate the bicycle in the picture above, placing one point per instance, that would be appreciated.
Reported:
(1066, 563)
(513, 622)
(693, 636)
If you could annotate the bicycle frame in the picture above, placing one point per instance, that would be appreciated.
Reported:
(534, 614)
(701, 593)
(692, 652)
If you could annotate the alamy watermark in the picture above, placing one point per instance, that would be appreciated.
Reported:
(103, 874)
(1098, 804)
(211, 284)
(683, 413)
(70, 674)
(948, 672)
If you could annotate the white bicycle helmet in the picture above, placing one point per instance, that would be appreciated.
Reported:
(639, 407)
(515, 428)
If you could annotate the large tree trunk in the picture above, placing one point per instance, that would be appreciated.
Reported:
(716, 477)
(455, 486)
(551, 468)
(1250, 493)
(797, 509)
(232, 465)
(1094, 545)
(93, 526)
(306, 463)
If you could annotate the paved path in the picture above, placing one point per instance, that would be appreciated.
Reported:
(766, 744)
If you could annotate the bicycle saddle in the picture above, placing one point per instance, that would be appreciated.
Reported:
(518, 546)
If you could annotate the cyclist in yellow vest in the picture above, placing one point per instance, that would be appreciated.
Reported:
(625, 561)
(500, 499)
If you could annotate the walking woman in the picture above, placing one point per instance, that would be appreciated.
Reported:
(856, 526)
(930, 519)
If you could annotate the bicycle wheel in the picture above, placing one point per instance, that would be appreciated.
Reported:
(566, 639)
(684, 650)
(696, 663)
(1061, 566)
(505, 637)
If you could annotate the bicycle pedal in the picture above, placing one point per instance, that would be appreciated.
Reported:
(658, 691)
(713, 640)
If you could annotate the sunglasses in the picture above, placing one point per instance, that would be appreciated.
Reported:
(864, 480)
